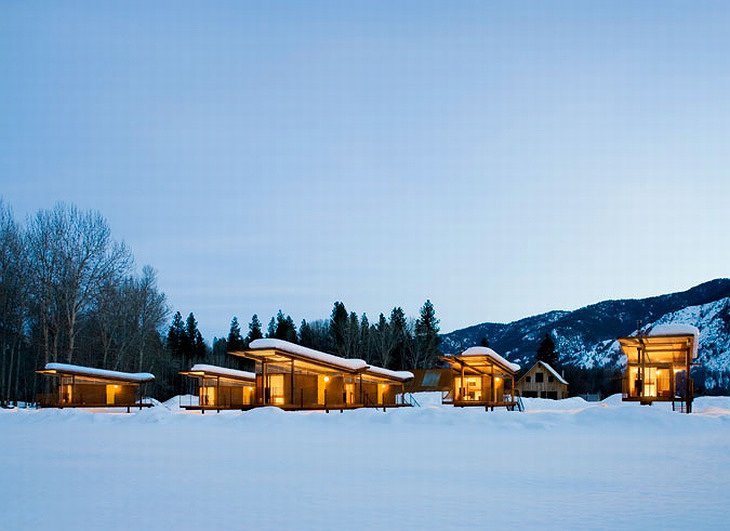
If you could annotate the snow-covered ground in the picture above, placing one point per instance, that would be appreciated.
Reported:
(565, 464)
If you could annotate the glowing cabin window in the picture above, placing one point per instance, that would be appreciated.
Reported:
(276, 383)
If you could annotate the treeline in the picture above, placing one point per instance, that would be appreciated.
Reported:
(395, 342)
(70, 293)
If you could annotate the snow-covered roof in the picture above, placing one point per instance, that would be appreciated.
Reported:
(350, 364)
(486, 351)
(223, 371)
(138, 377)
(387, 373)
(552, 371)
(678, 329)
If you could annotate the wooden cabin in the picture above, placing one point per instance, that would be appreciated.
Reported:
(221, 388)
(431, 380)
(658, 365)
(481, 377)
(292, 377)
(542, 381)
(78, 386)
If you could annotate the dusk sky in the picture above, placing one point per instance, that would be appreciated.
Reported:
(499, 158)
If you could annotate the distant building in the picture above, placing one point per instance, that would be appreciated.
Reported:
(481, 377)
(542, 381)
(221, 388)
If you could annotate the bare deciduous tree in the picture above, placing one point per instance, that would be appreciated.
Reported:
(72, 257)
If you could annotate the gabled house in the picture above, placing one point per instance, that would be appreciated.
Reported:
(542, 381)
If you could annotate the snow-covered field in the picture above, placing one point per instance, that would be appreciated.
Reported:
(561, 465)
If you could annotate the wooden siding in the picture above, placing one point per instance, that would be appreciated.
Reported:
(545, 389)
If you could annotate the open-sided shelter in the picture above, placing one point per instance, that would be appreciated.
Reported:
(291, 376)
(481, 378)
(221, 387)
(542, 381)
(78, 386)
(658, 365)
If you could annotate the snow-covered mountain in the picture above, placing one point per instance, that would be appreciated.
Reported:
(587, 337)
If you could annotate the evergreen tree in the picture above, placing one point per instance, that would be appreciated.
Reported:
(200, 350)
(175, 336)
(235, 341)
(220, 351)
(380, 334)
(365, 343)
(399, 339)
(193, 344)
(484, 342)
(353, 336)
(271, 329)
(427, 337)
(306, 335)
(338, 328)
(254, 330)
(285, 328)
(546, 351)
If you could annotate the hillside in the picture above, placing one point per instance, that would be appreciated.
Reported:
(587, 337)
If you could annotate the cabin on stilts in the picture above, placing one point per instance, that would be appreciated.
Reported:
(658, 365)
(78, 386)
(294, 377)
(481, 377)
(221, 388)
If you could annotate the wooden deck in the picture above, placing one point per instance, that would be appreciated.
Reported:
(295, 407)
(96, 406)
(511, 405)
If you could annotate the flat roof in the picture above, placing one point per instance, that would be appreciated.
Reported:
(62, 369)
(294, 351)
(667, 343)
(401, 376)
(201, 369)
(480, 357)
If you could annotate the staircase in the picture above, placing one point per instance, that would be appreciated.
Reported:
(409, 399)
(519, 404)
(678, 404)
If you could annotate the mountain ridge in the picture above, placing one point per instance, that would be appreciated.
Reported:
(586, 337)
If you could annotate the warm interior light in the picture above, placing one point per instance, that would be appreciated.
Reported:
(326, 379)
(382, 386)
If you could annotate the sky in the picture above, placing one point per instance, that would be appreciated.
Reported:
(498, 158)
